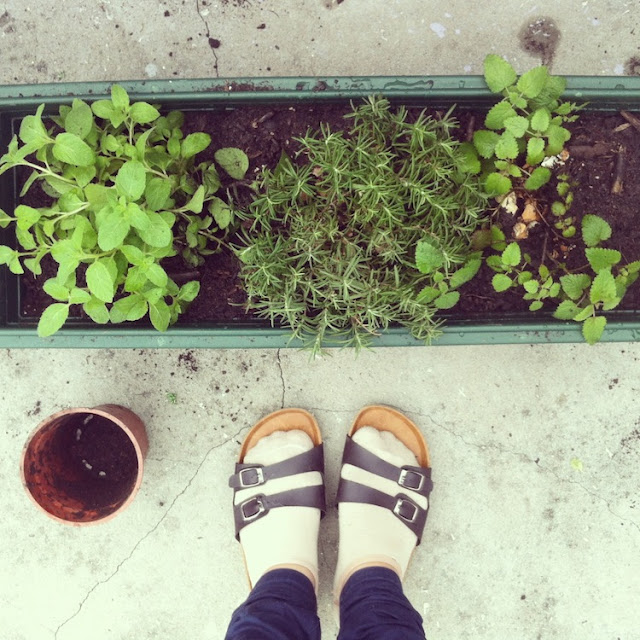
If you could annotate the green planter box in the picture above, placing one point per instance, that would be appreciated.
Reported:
(603, 93)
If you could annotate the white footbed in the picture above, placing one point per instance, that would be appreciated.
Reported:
(287, 535)
(369, 533)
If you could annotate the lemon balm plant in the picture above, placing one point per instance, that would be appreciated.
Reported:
(126, 192)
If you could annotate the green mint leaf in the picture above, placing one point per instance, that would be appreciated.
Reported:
(143, 113)
(536, 305)
(71, 149)
(79, 120)
(595, 230)
(189, 291)
(112, 231)
(119, 98)
(498, 114)
(497, 184)
(160, 315)
(567, 310)
(603, 288)
(535, 151)
(100, 281)
(131, 180)
(428, 294)
(197, 201)
(531, 286)
(79, 296)
(575, 284)
(234, 161)
(52, 319)
(538, 178)
(157, 275)
(554, 87)
(33, 131)
(221, 212)
(96, 310)
(129, 308)
(429, 256)
(516, 125)
(26, 216)
(103, 109)
(593, 328)
(512, 255)
(57, 291)
(485, 142)
(541, 119)
(194, 143)
(498, 73)
(158, 233)
(468, 160)
(600, 259)
(556, 136)
(447, 300)
(501, 282)
(584, 313)
(465, 273)
(157, 192)
(132, 254)
(533, 81)
(507, 146)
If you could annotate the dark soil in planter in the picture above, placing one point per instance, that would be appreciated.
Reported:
(101, 458)
(264, 131)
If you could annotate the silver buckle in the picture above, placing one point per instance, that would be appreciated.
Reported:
(256, 508)
(252, 481)
(400, 503)
(404, 473)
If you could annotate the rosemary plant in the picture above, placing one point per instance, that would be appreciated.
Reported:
(332, 245)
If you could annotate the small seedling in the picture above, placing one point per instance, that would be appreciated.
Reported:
(172, 398)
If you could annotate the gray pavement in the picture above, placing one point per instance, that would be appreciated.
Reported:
(534, 530)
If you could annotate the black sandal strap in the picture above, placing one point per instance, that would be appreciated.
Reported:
(402, 506)
(259, 505)
(416, 479)
(254, 475)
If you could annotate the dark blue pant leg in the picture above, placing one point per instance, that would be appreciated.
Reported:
(374, 607)
(281, 606)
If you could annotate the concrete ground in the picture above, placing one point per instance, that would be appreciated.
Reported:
(534, 530)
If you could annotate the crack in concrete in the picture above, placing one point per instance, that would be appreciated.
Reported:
(146, 535)
(281, 378)
(527, 458)
(209, 38)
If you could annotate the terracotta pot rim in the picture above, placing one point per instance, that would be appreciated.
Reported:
(103, 411)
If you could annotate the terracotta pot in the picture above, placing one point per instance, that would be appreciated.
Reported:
(83, 466)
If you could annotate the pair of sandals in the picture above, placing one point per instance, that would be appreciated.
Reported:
(411, 480)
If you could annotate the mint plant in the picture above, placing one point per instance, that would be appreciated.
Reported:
(581, 296)
(522, 129)
(336, 236)
(126, 193)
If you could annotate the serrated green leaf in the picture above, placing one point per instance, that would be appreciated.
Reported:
(507, 146)
(32, 130)
(584, 313)
(531, 286)
(96, 310)
(158, 233)
(556, 136)
(465, 273)
(157, 275)
(26, 216)
(79, 120)
(595, 230)
(485, 142)
(468, 159)
(131, 180)
(603, 287)
(71, 149)
(535, 151)
(501, 282)
(100, 281)
(429, 257)
(593, 328)
(133, 254)
(533, 81)
(79, 296)
(189, 291)
(52, 319)
(143, 113)
(512, 255)
(540, 119)
(497, 115)
(119, 97)
(497, 184)
(194, 143)
(129, 308)
(536, 305)
(103, 109)
(538, 178)
(160, 315)
(447, 300)
(600, 259)
(56, 290)
(428, 294)
(157, 192)
(575, 284)
(498, 73)
(234, 161)
(567, 310)
(516, 125)
(196, 202)
(112, 231)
